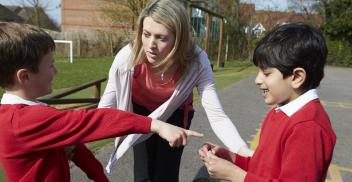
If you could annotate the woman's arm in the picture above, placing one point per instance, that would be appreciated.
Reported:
(108, 100)
(116, 77)
(223, 127)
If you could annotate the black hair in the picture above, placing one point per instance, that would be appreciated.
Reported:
(291, 46)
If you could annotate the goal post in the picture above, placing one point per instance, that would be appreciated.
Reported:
(71, 48)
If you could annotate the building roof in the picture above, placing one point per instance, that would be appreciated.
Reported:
(14, 9)
(8, 15)
(26, 12)
(270, 19)
(27, 15)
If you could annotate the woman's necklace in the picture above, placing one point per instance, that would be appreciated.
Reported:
(162, 76)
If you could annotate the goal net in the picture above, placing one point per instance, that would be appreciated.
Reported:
(63, 51)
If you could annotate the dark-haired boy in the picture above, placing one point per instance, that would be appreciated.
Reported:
(296, 141)
(33, 135)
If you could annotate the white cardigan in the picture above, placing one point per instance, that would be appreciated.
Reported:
(118, 95)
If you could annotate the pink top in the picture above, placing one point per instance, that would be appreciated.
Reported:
(147, 93)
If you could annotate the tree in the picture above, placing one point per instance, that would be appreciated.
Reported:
(35, 13)
(122, 12)
(230, 9)
(338, 19)
(311, 8)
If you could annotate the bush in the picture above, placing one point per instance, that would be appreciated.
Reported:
(339, 52)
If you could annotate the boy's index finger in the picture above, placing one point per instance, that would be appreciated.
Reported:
(193, 133)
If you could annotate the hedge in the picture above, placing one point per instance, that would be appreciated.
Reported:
(339, 52)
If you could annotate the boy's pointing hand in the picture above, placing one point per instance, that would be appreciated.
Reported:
(176, 136)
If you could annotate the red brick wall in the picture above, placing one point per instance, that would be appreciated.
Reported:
(84, 15)
(81, 15)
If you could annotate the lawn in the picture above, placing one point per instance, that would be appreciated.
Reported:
(83, 70)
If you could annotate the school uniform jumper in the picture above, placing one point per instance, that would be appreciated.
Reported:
(33, 136)
(297, 147)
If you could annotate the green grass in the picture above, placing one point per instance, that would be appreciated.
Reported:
(87, 69)
(2, 174)
(82, 70)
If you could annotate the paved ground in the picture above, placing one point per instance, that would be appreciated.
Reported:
(244, 104)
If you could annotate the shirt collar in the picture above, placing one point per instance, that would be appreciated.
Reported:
(292, 107)
(14, 99)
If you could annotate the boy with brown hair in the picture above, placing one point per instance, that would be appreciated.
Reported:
(33, 135)
(296, 141)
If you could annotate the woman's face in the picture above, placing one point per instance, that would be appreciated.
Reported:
(157, 40)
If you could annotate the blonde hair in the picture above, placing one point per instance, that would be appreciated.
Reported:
(173, 16)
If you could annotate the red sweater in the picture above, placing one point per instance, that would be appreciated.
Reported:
(32, 139)
(296, 148)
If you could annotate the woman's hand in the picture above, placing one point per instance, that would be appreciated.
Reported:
(176, 136)
(245, 151)
(219, 168)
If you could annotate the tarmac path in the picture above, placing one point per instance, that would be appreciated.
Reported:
(245, 106)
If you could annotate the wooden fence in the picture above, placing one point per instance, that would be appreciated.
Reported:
(55, 98)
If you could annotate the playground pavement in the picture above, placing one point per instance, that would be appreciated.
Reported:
(244, 105)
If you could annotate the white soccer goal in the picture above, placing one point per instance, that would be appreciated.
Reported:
(71, 48)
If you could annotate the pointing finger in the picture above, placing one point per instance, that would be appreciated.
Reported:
(193, 133)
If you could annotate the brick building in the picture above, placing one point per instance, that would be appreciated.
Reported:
(86, 15)
(81, 15)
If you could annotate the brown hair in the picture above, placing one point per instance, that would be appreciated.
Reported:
(22, 46)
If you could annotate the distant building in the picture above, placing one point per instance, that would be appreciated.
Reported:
(26, 15)
(6, 15)
(258, 30)
(270, 19)
(86, 15)
(29, 15)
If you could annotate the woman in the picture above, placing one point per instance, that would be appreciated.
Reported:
(154, 76)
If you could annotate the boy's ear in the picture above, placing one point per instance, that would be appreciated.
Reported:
(23, 77)
(298, 77)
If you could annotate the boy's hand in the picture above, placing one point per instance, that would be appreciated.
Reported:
(222, 169)
(176, 136)
(70, 151)
(217, 150)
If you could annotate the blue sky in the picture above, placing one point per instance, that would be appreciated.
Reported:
(54, 12)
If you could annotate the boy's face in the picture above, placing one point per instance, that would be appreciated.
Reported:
(42, 80)
(276, 89)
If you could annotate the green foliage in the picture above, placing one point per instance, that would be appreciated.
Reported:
(338, 32)
(122, 12)
(340, 53)
(233, 36)
(338, 24)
